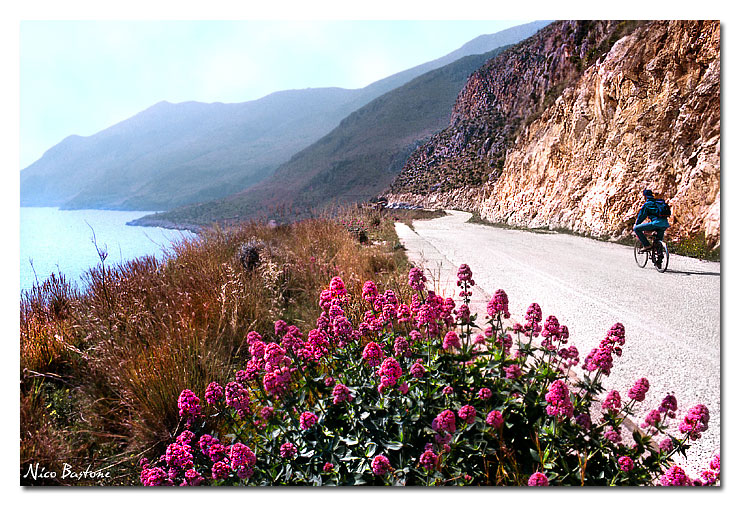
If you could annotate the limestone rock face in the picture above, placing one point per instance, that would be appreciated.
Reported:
(497, 99)
(566, 129)
(647, 116)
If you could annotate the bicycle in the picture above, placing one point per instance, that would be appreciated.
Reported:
(658, 253)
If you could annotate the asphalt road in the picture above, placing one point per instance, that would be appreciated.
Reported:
(672, 319)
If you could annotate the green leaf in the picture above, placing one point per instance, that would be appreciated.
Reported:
(394, 445)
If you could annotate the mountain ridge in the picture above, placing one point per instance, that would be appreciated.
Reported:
(353, 163)
(210, 151)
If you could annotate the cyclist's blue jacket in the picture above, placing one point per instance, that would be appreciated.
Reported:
(650, 210)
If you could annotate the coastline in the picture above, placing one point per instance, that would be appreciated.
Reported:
(147, 221)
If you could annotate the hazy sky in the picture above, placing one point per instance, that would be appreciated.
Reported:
(79, 77)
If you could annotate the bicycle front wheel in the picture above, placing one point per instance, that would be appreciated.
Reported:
(661, 256)
(640, 258)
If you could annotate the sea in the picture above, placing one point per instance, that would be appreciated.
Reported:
(60, 241)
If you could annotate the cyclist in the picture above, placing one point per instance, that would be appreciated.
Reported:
(658, 223)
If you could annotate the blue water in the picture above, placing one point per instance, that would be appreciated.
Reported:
(61, 241)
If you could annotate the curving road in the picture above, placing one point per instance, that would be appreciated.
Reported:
(672, 319)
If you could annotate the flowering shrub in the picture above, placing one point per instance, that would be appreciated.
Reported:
(383, 391)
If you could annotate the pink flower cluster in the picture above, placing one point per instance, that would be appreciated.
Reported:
(626, 464)
(428, 460)
(495, 419)
(612, 402)
(220, 471)
(534, 313)
(242, 460)
(499, 304)
(189, 405)
(463, 314)
(341, 394)
(666, 446)
(280, 328)
(638, 391)
(434, 309)
(551, 332)
(308, 420)
(380, 465)
(370, 291)
(390, 371)
(337, 288)
(714, 464)
(614, 339)
(216, 451)
(153, 476)
(417, 370)
(465, 275)
(237, 398)
(513, 371)
(267, 412)
(445, 421)
(695, 422)
(669, 406)
(401, 347)
(214, 393)
(558, 399)
(372, 354)
(288, 450)
(538, 480)
(652, 419)
(417, 279)
(451, 341)
(277, 381)
(675, 477)
(601, 358)
(533, 316)
(467, 414)
(613, 434)
(569, 355)
(179, 456)
(273, 366)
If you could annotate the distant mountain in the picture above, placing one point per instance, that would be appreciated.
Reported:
(479, 45)
(178, 154)
(354, 162)
(174, 154)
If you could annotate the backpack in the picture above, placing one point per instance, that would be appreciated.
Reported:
(664, 210)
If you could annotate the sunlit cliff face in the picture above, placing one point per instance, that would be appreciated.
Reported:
(644, 115)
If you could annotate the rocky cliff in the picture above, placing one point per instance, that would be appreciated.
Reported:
(565, 131)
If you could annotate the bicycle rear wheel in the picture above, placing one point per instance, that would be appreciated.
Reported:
(661, 256)
(640, 258)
